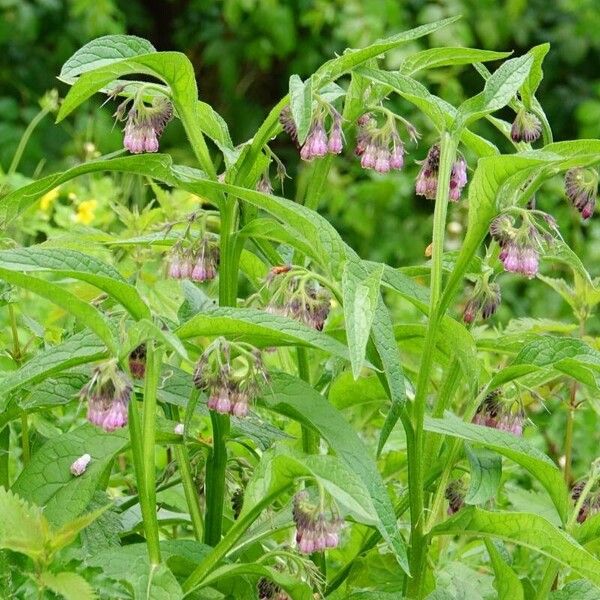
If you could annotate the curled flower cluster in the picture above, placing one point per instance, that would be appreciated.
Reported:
(526, 127)
(80, 465)
(230, 387)
(107, 393)
(520, 247)
(137, 362)
(269, 590)
(483, 303)
(317, 143)
(499, 415)
(315, 532)
(455, 495)
(198, 262)
(296, 295)
(427, 179)
(590, 506)
(145, 124)
(379, 148)
(581, 188)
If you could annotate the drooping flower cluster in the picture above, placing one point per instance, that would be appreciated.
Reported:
(269, 590)
(520, 247)
(315, 531)
(145, 124)
(484, 301)
(232, 374)
(526, 127)
(107, 393)
(317, 143)
(495, 413)
(380, 148)
(455, 495)
(198, 261)
(591, 504)
(80, 465)
(295, 294)
(427, 179)
(581, 188)
(137, 362)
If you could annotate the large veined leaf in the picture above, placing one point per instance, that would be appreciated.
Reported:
(87, 314)
(79, 349)
(571, 356)
(101, 52)
(513, 447)
(301, 105)
(529, 530)
(360, 288)
(298, 400)
(486, 471)
(70, 263)
(507, 583)
(47, 479)
(433, 58)
(259, 328)
(531, 84)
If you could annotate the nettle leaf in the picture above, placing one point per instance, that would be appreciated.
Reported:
(529, 530)
(295, 588)
(280, 467)
(507, 583)
(79, 349)
(434, 58)
(70, 263)
(68, 585)
(301, 105)
(571, 356)
(259, 328)
(23, 527)
(500, 88)
(297, 400)
(87, 314)
(47, 479)
(101, 52)
(360, 286)
(513, 447)
(531, 84)
(486, 472)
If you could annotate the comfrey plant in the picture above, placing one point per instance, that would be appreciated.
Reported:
(230, 357)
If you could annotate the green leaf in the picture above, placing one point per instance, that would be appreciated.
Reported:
(259, 328)
(576, 590)
(23, 527)
(70, 263)
(434, 58)
(486, 471)
(88, 315)
(500, 88)
(513, 447)
(531, 84)
(54, 391)
(69, 531)
(280, 467)
(68, 585)
(292, 585)
(360, 287)
(47, 479)
(79, 349)
(507, 583)
(102, 52)
(531, 531)
(301, 105)
(145, 330)
(299, 401)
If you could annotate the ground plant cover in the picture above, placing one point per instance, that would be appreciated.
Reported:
(208, 392)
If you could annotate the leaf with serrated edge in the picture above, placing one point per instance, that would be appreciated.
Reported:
(68, 585)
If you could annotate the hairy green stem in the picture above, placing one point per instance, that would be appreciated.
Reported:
(419, 541)
(310, 439)
(25, 140)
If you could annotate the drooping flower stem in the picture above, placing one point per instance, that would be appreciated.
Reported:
(418, 541)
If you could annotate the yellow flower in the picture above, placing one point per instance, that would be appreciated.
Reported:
(85, 212)
(47, 200)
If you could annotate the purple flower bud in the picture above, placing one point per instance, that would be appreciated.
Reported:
(369, 157)
(498, 415)
(287, 122)
(471, 310)
(336, 140)
(179, 429)
(526, 127)
(581, 188)
(80, 465)
(382, 160)
(264, 184)
(426, 184)
(458, 179)
(397, 156)
(145, 124)
(137, 362)
(455, 496)
(501, 228)
(529, 261)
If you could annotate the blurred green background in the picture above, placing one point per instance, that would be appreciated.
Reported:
(244, 52)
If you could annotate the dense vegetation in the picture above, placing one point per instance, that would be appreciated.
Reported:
(340, 344)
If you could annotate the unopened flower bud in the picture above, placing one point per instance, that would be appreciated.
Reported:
(581, 188)
(80, 465)
(526, 127)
